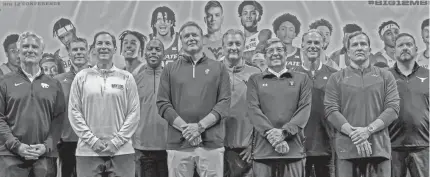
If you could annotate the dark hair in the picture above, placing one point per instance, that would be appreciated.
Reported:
(354, 34)
(62, 22)
(212, 3)
(55, 59)
(385, 24)
(424, 24)
(403, 35)
(142, 38)
(170, 16)
(78, 39)
(104, 32)
(321, 22)
(254, 3)
(10, 39)
(155, 39)
(190, 23)
(350, 28)
(286, 17)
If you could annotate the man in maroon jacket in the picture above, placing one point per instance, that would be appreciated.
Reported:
(193, 96)
(410, 133)
(279, 103)
(360, 102)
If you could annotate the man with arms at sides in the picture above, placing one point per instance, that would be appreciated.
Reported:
(132, 48)
(318, 131)
(423, 56)
(194, 97)
(104, 113)
(361, 101)
(340, 57)
(78, 54)
(163, 28)
(239, 129)
(12, 54)
(212, 41)
(410, 133)
(150, 138)
(30, 104)
(279, 103)
(286, 28)
(250, 13)
(387, 32)
(327, 29)
(65, 31)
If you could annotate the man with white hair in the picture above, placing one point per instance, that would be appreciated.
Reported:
(30, 102)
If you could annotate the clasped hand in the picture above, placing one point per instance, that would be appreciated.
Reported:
(359, 136)
(103, 146)
(276, 138)
(192, 134)
(31, 152)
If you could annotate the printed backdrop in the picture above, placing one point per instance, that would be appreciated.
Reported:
(114, 16)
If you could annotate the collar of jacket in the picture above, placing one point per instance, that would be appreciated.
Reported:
(269, 75)
(189, 59)
(235, 69)
(22, 73)
(110, 70)
(414, 69)
(150, 70)
(358, 70)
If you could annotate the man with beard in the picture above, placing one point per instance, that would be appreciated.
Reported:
(65, 31)
(132, 47)
(12, 53)
(279, 122)
(238, 127)
(214, 19)
(327, 30)
(318, 132)
(362, 142)
(104, 113)
(410, 133)
(423, 56)
(250, 13)
(387, 32)
(194, 97)
(78, 54)
(30, 104)
(151, 155)
(286, 28)
(340, 57)
(163, 28)
(49, 64)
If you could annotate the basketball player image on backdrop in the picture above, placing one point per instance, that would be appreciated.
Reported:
(340, 57)
(11, 50)
(163, 28)
(387, 32)
(287, 27)
(212, 41)
(65, 31)
(326, 29)
(250, 13)
(132, 48)
(423, 56)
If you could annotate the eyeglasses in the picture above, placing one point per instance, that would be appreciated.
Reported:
(272, 50)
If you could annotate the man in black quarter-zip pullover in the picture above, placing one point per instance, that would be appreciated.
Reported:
(194, 95)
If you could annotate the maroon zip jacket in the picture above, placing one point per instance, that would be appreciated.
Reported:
(27, 111)
(359, 98)
(283, 103)
(318, 130)
(412, 127)
(192, 91)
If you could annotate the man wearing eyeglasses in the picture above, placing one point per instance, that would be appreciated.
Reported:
(11, 51)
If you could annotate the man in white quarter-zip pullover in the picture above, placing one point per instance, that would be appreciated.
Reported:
(104, 113)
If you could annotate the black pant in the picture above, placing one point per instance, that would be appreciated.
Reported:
(151, 163)
(66, 151)
(318, 166)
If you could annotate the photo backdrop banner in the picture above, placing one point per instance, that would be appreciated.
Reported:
(117, 16)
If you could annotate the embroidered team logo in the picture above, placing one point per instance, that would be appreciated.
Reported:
(174, 48)
(296, 56)
(325, 77)
(291, 83)
(65, 80)
(118, 86)
(216, 51)
(264, 85)
(44, 85)
(206, 71)
(374, 75)
(17, 84)
(422, 78)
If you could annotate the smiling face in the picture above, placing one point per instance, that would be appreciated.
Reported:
(312, 46)
(154, 53)
(275, 55)
(163, 25)
(191, 38)
(30, 50)
(78, 53)
(130, 46)
(105, 48)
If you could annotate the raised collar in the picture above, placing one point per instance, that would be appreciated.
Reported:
(414, 69)
(307, 69)
(110, 70)
(190, 59)
(234, 69)
(269, 73)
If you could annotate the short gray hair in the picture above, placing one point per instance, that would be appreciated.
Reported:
(313, 31)
(28, 34)
(233, 32)
(273, 41)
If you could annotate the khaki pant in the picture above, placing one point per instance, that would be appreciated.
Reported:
(414, 160)
(206, 161)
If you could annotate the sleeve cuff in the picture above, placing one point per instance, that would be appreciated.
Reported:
(117, 142)
(290, 130)
(170, 115)
(216, 114)
(93, 141)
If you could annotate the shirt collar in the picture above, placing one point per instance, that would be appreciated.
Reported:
(307, 69)
(270, 73)
(112, 69)
(235, 69)
(414, 69)
(30, 76)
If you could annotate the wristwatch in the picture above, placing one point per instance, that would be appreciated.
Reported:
(371, 129)
(201, 128)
